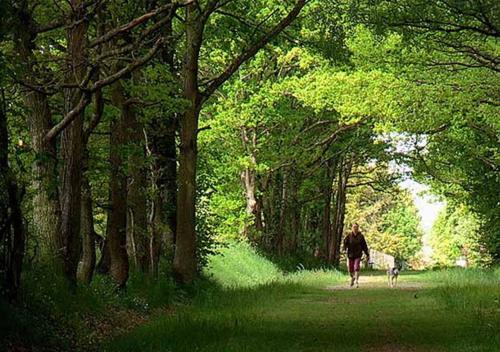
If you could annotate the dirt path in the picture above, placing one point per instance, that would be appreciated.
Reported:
(379, 282)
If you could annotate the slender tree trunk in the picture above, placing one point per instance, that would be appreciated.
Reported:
(117, 216)
(12, 232)
(88, 260)
(185, 265)
(162, 133)
(295, 213)
(104, 263)
(339, 214)
(249, 180)
(136, 198)
(326, 226)
(280, 241)
(164, 174)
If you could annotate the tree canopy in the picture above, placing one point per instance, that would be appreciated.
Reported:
(145, 132)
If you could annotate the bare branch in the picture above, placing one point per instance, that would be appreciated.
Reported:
(138, 21)
(96, 118)
(332, 137)
(128, 69)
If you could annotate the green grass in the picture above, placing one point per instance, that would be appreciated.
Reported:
(49, 316)
(237, 265)
(437, 311)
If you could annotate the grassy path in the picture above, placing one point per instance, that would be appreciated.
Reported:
(304, 316)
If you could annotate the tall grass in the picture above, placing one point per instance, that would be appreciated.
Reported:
(474, 293)
(239, 265)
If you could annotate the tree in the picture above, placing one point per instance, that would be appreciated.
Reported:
(185, 266)
(457, 233)
(389, 220)
(57, 210)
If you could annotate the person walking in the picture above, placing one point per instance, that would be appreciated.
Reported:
(354, 246)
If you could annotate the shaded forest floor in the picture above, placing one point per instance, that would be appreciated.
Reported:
(439, 311)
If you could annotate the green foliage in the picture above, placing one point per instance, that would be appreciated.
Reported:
(457, 233)
(388, 219)
(330, 91)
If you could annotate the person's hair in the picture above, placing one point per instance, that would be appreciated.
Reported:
(355, 224)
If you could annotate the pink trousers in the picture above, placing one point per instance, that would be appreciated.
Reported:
(354, 264)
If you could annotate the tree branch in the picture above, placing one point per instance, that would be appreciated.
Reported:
(137, 21)
(87, 93)
(252, 50)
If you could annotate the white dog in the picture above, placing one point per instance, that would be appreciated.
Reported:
(392, 276)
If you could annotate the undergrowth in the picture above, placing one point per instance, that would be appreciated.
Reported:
(52, 316)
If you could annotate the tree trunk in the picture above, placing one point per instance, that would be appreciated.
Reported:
(249, 180)
(136, 197)
(295, 212)
(339, 214)
(280, 241)
(88, 261)
(12, 232)
(326, 226)
(104, 263)
(46, 210)
(117, 215)
(164, 174)
(72, 145)
(185, 265)
(185, 246)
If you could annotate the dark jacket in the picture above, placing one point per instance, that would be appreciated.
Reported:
(355, 245)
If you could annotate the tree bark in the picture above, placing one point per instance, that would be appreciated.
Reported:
(185, 266)
(136, 197)
(72, 144)
(46, 209)
(88, 260)
(326, 227)
(339, 214)
(249, 180)
(88, 235)
(117, 215)
(46, 206)
(12, 232)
